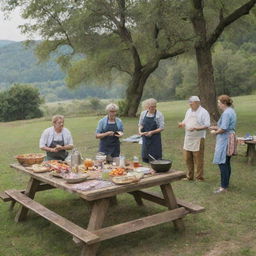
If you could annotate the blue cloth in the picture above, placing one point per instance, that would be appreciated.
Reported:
(102, 125)
(226, 122)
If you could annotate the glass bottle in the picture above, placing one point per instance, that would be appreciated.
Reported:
(135, 162)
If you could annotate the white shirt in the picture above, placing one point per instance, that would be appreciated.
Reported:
(49, 133)
(202, 117)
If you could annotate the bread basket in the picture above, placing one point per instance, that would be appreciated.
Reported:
(30, 159)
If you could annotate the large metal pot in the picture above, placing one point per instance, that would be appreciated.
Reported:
(161, 165)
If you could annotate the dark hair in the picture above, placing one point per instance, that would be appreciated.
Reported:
(225, 99)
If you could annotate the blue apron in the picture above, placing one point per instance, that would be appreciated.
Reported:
(151, 145)
(110, 145)
(60, 155)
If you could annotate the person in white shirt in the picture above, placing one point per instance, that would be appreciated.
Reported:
(56, 140)
(196, 121)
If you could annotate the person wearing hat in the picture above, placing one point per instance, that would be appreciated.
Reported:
(196, 121)
(109, 130)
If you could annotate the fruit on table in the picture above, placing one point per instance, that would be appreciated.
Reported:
(117, 172)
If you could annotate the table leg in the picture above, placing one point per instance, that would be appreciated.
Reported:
(251, 153)
(98, 213)
(30, 192)
(137, 198)
(172, 204)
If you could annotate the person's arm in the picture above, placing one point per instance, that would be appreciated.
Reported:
(43, 142)
(224, 124)
(160, 121)
(182, 123)
(120, 127)
(140, 126)
(99, 131)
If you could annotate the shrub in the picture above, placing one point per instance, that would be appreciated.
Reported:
(20, 102)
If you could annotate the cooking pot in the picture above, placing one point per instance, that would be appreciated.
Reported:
(161, 165)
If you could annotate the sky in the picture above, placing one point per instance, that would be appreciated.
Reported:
(9, 27)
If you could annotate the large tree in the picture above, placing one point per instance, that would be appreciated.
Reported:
(208, 29)
(111, 36)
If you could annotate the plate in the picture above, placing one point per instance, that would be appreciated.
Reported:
(75, 177)
(131, 177)
(145, 170)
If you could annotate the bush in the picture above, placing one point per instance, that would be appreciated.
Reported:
(20, 102)
(122, 106)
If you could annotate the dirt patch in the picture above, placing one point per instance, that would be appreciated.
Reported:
(222, 247)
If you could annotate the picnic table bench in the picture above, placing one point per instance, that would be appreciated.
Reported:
(100, 200)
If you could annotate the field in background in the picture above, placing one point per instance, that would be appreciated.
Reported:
(227, 228)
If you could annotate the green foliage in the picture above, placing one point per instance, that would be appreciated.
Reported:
(95, 103)
(20, 102)
(122, 106)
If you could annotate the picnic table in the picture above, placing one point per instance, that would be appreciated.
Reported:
(251, 153)
(91, 236)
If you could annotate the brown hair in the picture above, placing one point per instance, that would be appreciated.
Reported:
(225, 99)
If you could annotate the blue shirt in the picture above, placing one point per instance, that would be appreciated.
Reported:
(227, 122)
(102, 124)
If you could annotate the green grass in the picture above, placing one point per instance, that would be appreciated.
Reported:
(226, 228)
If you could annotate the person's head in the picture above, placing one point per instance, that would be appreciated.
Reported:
(150, 105)
(112, 109)
(224, 101)
(58, 122)
(194, 102)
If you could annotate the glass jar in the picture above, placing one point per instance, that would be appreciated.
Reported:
(136, 162)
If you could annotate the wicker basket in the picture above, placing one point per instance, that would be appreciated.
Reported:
(30, 159)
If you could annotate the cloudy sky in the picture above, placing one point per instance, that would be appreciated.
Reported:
(9, 27)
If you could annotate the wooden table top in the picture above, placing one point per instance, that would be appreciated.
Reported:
(149, 181)
(250, 141)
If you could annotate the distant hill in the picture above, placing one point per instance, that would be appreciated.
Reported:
(18, 64)
(5, 42)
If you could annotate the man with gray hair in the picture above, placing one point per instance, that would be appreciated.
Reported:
(196, 121)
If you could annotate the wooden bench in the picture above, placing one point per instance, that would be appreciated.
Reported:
(158, 198)
(73, 229)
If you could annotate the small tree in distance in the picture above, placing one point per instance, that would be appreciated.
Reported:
(20, 102)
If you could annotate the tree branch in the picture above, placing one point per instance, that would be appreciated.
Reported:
(241, 11)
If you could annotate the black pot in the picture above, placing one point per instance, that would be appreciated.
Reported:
(161, 165)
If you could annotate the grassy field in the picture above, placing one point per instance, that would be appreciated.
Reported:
(226, 228)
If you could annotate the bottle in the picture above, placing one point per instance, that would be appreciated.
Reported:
(121, 161)
(75, 158)
(136, 162)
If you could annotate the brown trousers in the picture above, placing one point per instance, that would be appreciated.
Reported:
(195, 162)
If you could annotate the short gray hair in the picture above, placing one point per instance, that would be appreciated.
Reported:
(112, 106)
(146, 103)
(55, 118)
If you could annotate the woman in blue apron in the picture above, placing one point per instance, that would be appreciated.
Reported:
(150, 126)
(225, 127)
(56, 140)
(109, 130)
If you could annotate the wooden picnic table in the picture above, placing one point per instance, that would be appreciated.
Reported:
(251, 152)
(100, 199)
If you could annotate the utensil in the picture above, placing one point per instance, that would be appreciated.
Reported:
(161, 165)
(151, 157)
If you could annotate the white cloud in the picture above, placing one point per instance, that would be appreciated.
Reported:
(9, 27)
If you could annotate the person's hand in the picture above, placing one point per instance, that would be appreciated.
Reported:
(181, 125)
(213, 131)
(118, 134)
(53, 150)
(213, 128)
(59, 147)
(109, 133)
(149, 134)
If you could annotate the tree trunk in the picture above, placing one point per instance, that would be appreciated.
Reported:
(206, 81)
(135, 88)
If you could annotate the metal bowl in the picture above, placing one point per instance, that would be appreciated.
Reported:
(161, 165)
